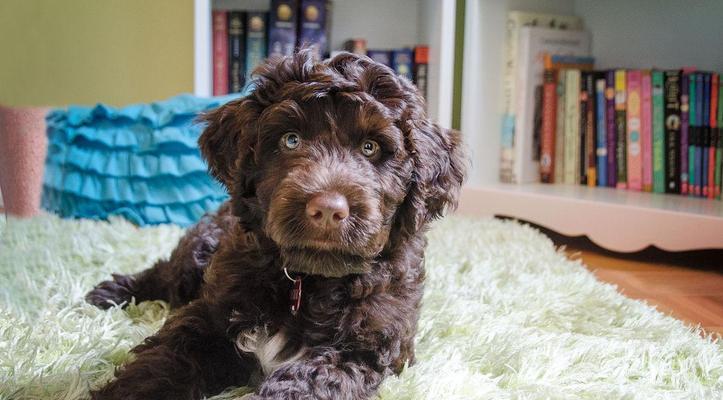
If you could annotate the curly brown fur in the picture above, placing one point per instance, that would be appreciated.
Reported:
(362, 282)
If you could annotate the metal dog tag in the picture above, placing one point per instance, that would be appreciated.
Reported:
(295, 296)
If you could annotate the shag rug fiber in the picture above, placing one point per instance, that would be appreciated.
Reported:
(506, 316)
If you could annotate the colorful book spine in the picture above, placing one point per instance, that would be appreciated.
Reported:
(560, 129)
(381, 56)
(692, 133)
(601, 134)
(584, 105)
(549, 125)
(621, 128)
(713, 135)
(719, 144)
(255, 40)
(699, 134)
(590, 128)
(282, 27)
(421, 69)
(634, 147)
(646, 130)
(658, 132)
(312, 27)
(236, 51)
(572, 126)
(672, 131)
(684, 131)
(402, 62)
(705, 139)
(611, 128)
(220, 53)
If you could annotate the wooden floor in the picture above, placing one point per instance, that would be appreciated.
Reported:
(687, 285)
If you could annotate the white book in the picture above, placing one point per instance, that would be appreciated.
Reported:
(515, 21)
(534, 43)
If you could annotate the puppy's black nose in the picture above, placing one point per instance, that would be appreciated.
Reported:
(327, 209)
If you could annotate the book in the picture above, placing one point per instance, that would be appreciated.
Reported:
(535, 44)
(698, 158)
(421, 69)
(713, 135)
(601, 134)
(611, 128)
(684, 130)
(621, 128)
(658, 131)
(402, 62)
(515, 21)
(236, 51)
(282, 27)
(719, 144)
(560, 129)
(692, 133)
(572, 127)
(588, 169)
(646, 129)
(381, 56)
(549, 125)
(312, 27)
(634, 161)
(220, 52)
(255, 40)
(705, 137)
(672, 131)
(356, 46)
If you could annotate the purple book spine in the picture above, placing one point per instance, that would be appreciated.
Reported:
(312, 29)
(282, 28)
(611, 128)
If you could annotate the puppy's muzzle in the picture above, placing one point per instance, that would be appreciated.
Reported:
(327, 210)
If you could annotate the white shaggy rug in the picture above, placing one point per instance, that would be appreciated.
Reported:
(505, 316)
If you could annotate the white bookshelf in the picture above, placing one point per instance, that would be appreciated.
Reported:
(384, 24)
(625, 33)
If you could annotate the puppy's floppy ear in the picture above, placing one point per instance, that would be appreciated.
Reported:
(227, 141)
(438, 172)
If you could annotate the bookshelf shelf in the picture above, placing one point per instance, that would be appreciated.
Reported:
(628, 34)
(384, 24)
(618, 220)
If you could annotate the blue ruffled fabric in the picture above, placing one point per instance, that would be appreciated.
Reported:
(141, 162)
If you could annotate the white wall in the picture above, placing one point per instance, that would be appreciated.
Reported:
(655, 33)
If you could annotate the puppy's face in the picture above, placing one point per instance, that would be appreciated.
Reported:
(330, 159)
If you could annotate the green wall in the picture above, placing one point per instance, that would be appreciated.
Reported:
(57, 52)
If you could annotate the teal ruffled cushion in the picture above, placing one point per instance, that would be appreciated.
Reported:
(141, 162)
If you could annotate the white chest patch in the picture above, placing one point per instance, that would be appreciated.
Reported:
(266, 348)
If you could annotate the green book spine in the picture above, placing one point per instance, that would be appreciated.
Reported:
(692, 134)
(658, 133)
(572, 126)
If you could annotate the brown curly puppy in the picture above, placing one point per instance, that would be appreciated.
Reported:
(307, 283)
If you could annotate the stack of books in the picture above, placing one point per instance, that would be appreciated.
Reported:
(412, 64)
(242, 39)
(645, 130)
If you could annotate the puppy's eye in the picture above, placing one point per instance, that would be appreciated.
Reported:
(370, 148)
(291, 141)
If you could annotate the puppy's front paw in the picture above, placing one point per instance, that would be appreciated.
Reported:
(110, 293)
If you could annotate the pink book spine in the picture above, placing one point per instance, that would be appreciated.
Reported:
(634, 151)
(646, 131)
(220, 53)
